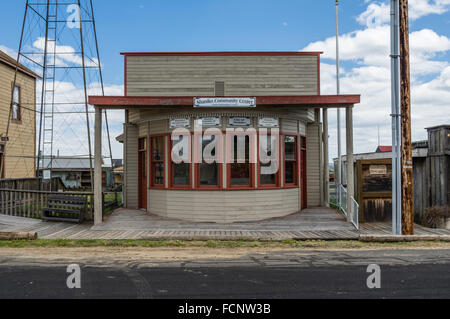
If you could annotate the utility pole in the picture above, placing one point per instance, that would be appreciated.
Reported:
(338, 173)
(407, 161)
(395, 114)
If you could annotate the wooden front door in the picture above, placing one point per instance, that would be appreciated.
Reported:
(304, 202)
(142, 172)
(374, 190)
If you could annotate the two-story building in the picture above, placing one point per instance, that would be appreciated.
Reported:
(214, 101)
(19, 161)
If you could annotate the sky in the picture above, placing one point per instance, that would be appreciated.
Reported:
(282, 25)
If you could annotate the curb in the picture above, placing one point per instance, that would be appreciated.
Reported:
(403, 238)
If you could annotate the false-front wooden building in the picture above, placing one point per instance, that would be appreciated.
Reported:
(238, 94)
(19, 161)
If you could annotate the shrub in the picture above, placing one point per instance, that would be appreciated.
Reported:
(434, 216)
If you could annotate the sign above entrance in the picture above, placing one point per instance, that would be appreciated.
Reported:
(239, 121)
(209, 121)
(180, 123)
(268, 122)
(225, 102)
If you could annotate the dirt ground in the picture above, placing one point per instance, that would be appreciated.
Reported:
(174, 254)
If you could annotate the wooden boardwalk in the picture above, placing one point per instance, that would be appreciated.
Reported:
(320, 223)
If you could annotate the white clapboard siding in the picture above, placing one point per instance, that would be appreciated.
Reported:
(243, 75)
(158, 127)
(223, 207)
(289, 126)
(131, 166)
(313, 166)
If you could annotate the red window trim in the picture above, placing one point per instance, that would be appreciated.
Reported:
(278, 175)
(252, 184)
(296, 167)
(150, 174)
(171, 163)
(197, 165)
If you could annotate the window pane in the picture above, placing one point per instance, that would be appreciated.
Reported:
(158, 148)
(289, 147)
(241, 147)
(158, 173)
(289, 168)
(267, 179)
(240, 174)
(16, 95)
(142, 144)
(266, 144)
(209, 141)
(181, 174)
(15, 111)
(209, 174)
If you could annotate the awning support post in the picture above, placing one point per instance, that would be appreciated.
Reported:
(98, 187)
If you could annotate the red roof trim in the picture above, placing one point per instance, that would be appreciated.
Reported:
(125, 101)
(220, 53)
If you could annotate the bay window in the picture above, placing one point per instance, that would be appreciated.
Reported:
(290, 161)
(181, 161)
(240, 173)
(269, 166)
(209, 169)
(157, 168)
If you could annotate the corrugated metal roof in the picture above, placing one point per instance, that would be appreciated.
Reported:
(66, 163)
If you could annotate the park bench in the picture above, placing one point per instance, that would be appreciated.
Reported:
(65, 208)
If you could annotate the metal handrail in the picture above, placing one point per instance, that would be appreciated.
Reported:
(342, 204)
(354, 217)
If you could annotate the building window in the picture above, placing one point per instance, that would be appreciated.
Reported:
(181, 167)
(290, 161)
(157, 161)
(2, 163)
(241, 170)
(16, 104)
(209, 169)
(269, 166)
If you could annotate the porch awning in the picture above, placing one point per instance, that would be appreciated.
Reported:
(310, 101)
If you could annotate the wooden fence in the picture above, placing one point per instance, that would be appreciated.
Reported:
(29, 203)
(35, 184)
(27, 197)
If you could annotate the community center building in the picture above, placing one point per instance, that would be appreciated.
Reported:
(215, 102)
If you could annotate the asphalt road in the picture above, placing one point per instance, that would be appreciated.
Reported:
(404, 274)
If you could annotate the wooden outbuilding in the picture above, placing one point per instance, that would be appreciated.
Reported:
(19, 161)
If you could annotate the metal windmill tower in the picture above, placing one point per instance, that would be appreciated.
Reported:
(59, 42)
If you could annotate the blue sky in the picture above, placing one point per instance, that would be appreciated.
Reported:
(284, 25)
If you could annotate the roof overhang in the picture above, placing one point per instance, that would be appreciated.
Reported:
(310, 101)
(222, 53)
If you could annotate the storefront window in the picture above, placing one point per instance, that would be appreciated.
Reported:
(268, 171)
(290, 160)
(157, 161)
(181, 172)
(240, 170)
(209, 169)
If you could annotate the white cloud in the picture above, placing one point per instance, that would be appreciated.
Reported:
(365, 54)
(378, 13)
(65, 54)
